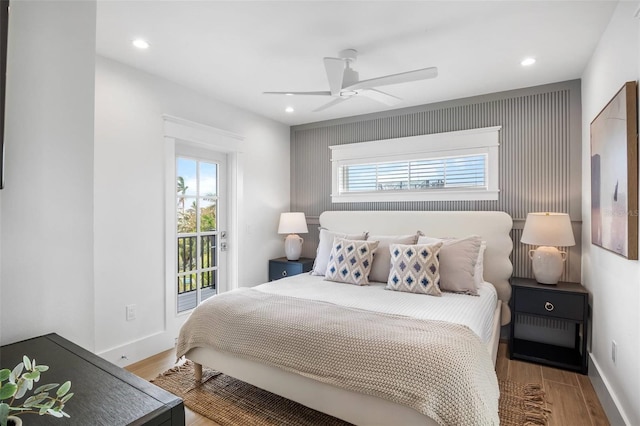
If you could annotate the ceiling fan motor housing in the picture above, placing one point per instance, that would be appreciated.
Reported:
(350, 76)
(348, 54)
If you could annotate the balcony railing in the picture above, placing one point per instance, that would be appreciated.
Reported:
(196, 268)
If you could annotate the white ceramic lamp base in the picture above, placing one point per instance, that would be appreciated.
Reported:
(547, 264)
(293, 246)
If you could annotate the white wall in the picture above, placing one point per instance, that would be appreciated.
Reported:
(47, 205)
(130, 206)
(613, 281)
(82, 214)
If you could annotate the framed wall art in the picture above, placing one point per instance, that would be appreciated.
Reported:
(614, 174)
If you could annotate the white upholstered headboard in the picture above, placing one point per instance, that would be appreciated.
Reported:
(494, 228)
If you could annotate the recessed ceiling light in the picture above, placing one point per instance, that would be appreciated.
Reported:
(140, 43)
(288, 94)
(527, 62)
(289, 109)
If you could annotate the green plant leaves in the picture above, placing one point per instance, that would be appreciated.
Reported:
(46, 388)
(34, 400)
(23, 387)
(8, 390)
(15, 374)
(20, 380)
(62, 391)
(27, 362)
(33, 375)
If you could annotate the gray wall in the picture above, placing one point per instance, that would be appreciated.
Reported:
(540, 158)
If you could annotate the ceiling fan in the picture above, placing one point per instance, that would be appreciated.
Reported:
(344, 82)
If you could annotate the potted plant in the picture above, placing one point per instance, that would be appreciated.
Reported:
(14, 385)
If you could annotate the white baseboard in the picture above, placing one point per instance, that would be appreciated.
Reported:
(139, 349)
(608, 399)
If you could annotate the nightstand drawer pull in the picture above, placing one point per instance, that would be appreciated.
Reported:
(284, 273)
(549, 306)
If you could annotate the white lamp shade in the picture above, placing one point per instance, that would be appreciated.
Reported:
(548, 229)
(292, 223)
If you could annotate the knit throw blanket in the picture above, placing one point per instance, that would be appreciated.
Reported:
(440, 369)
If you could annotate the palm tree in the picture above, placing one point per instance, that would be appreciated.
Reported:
(182, 190)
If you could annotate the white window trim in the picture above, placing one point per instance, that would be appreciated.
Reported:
(180, 130)
(474, 141)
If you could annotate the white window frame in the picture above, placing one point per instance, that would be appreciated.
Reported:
(450, 144)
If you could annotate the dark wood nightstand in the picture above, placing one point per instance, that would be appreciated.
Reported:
(549, 324)
(104, 394)
(282, 268)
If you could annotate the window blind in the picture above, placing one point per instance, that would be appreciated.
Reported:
(466, 171)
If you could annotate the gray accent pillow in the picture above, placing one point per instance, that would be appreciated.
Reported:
(415, 268)
(458, 258)
(350, 261)
(324, 248)
(382, 258)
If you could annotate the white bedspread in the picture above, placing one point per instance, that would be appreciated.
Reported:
(476, 312)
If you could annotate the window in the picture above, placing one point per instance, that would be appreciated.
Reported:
(445, 166)
(197, 236)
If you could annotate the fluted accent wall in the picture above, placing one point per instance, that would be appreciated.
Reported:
(540, 166)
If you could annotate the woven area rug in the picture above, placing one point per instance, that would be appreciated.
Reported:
(230, 402)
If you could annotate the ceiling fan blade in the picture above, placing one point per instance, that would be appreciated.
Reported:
(403, 77)
(334, 102)
(335, 74)
(381, 97)
(322, 93)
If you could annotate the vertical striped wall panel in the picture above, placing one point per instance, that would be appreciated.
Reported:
(539, 170)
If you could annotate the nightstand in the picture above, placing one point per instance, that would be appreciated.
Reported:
(549, 324)
(281, 267)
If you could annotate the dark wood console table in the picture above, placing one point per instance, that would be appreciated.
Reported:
(104, 394)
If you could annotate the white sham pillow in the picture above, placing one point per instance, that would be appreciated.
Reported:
(324, 248)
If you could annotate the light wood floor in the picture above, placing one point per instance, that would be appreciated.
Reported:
(571, 396)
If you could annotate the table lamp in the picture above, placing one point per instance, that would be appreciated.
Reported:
(292, 224)
(549, 231)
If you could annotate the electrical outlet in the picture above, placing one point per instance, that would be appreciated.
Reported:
(131, 312)
(614, 351)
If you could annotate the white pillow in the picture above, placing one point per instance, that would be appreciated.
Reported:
(324, 248)
(382, 258)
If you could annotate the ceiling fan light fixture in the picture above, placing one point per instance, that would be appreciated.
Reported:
(526, 62)
(140, 43)
(348, 93)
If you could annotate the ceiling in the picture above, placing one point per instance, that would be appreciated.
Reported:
(235, 50)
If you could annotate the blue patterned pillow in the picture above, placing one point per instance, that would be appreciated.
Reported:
(415, 268)
(350, 261)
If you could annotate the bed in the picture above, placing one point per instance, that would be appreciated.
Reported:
(480, 315)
